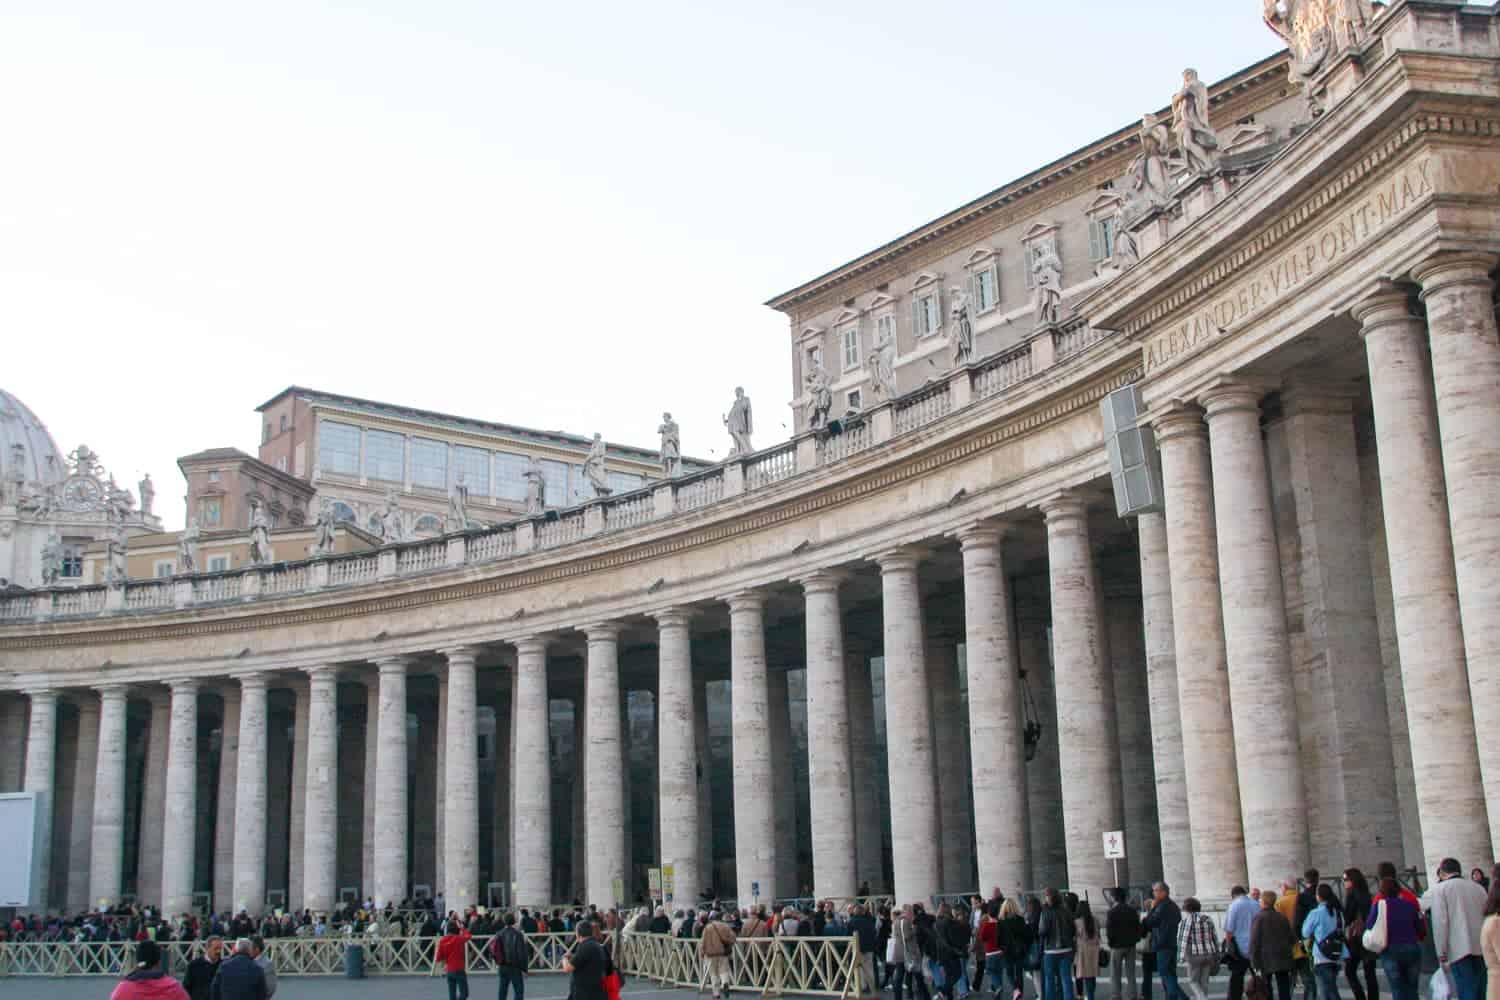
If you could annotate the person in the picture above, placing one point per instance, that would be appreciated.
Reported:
(1489, 937)
(1122, 930)
(715, 948)
(755, 924)
(1271, 940)
(239, 977)
(147, 981)
(1015, 943)
(987, 950)
(1478, 875)
(1058, 935)
(1456, 906)
(258, 952)
(1324, 929)
(1241, 914)
(1356, 904)
(1296, 906)
(1086, 934)
(863, 926)
(202, 969)
(1198, 944)
(1402, 957)
(453, 955)
(1162, 921)
(512, 957)
(951, 945)
(586, 966)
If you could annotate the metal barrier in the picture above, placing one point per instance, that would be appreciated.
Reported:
(827, 966)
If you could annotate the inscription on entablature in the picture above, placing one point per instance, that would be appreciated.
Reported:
(1352, 227)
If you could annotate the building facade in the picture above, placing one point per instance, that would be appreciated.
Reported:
(930, 616)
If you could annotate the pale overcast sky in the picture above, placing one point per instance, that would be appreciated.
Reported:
(559, 215)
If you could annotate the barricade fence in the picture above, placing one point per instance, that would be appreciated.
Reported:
(814, 966)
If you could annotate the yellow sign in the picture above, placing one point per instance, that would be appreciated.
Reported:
(668, 880)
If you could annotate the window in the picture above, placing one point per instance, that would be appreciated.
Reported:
(163, 568)
(429, 464)
(579, 489)
(72, 563)
(338, 448)
(854, 400)
(281, 463)
(986, 289)
(850, 338)
(926, 313)
(428, 524)
(814, 359)
(218, 564)
(474, 463)
(385, 456)
(885, 329)
(343, 512)
(555, 475)
(283, 423)
(1101, 238)
(266, 434)
(213, 475)
(510, 476)
(210, 513)
(623, 482)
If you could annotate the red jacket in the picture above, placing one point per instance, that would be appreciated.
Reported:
(148, 985)
(453, 950)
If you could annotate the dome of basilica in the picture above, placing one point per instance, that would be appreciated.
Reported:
(26, 443)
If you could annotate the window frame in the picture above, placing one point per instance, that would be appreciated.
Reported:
(159, 565)
(375, 463)
(849, 338)
(330, 451)
(426, 474)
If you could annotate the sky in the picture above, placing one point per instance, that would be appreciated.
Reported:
(564, 216)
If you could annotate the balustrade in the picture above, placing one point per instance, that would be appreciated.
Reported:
(144, 596)
(771, 466)
(83, 601)
(21, 605)
(700, 492)
(219, 587)
(422, 558)
(630, 510)
(1003, 371)
(923, 407)
(1074, 337)
(285, 580)
(490, 546)
(855, 438)
(567, 528)
(353, 569)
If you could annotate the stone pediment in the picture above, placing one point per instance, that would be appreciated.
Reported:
(1039, 231)
(846, 315)
(981, 257)
(925, 279)
(1246, 138)
(1104, 203)
(881, 301)
(811, 332)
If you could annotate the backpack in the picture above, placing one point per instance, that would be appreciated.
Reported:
(1332, 944)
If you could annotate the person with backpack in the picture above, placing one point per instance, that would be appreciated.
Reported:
(1122, 929)
(1324, 928)
(512, 957)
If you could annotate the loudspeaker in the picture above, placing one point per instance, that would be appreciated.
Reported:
(1134, 461)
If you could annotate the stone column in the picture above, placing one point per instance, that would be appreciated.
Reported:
(250, 797)
(995, 715)
(1208, 754)
(41, 746)
(830, 778)
(532, 855)
(1429, 633)
(869, 852)
(908, 728)
(1465, 372)
(1263, 702)
(754, 815)
(391, 810)
(707, 874)
(107, 855)
(439, 744)
(81, 828)
(1044, 802)
(1122, 617)
(604, 787)
(296, 893)
(461, 784)
(1166, 715)
(153, 803)
(949, 749)
(678, 755)
(229, 758)
(320, 841)
(782, 790)
(372, 745)
(1086, 731)
(179, 834)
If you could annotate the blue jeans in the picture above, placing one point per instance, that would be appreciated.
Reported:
(458, 986)
(1403, 969)
(1057, 966)
(512, 979)
(1469, 977)
(1327, 974)
(1166, 967)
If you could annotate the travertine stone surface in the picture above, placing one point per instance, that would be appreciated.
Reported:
(830, 780)
(391, 809)
(1127, 656)
(179, 833)
(754, 814)
(81, 830)
(107, 858)
(250, 800)
(868, 848)
(1085, 697)
(1049, 850)
(297, 799)
(1459, 295)
(783, 790)
(604, 786)
(41, 739)
(461, 786)
(708, 874)
(1166, 715)
(915, 825)
(950, 739)
(321, 809)
(439, 754)
(153, 799)
(531, 852)
(995, 715)
(229, 760)
(678, 756)
(1429, 633)
(1209, 765)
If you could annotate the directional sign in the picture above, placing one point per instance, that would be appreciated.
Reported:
(1114, 845)
(755, 890)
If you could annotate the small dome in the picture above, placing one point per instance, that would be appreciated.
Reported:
(41, 459)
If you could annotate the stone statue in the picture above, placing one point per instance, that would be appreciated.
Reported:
(187, 548)
(1126, 253)
(961, 330)
(115, 547)
(882, 363)
(52, 559)
(671, 447)
(323, 531)
(536, 486)
(820, 397)
(1195, 136)
(1149, 184)
(458, 505)
(1046, 272)
(260, 535)
(392, 529)
(740, 423)
(593, 468)
(148, 494)
(1313, 30)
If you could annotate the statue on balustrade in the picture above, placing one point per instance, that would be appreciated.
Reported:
(739, 423)
(671, 447)
(1149, 185)
(536, 486)
(1127, 253)
(593, 468)
(323, 531)
(882, 362)
(820, 397)
(1195, 136)
(148, 494)
(1046, 274)
(961, 330)
(187, 547)
(392, 527)
(260, 535)
(52, 559)
(458, 504)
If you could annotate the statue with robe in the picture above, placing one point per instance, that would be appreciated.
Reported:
(1149, 185)
(187, 547)
(148, 494)
(740, 423)
(52, 559)
(392, 527)
(1127, 252)
(458, 504)
(260, 535)
(593, 468)
(536, 486)
(115, 548)
(1046, 273)
(1195, 136)
(671, 447)
(961, 329)
(820, 397)
(323, 530)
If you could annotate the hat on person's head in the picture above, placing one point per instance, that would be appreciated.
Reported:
(147, 954)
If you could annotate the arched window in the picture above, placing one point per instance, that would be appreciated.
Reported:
(428, 524)
(343, 512)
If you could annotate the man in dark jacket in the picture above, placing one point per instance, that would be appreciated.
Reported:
(587, 966)
(1161, 923)
(239, 978)
(1122, 927)
(202, 969)
(512, 957)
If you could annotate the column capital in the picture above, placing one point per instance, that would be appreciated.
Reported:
(251, 679)
(905, 558)
(602, 632)
(822, 581)
(1389, 303)
(183, 685)
(746, 600)
(40, 693)
(396, 664)
(1064, 506)
(532, 644)
(981, 535)
(1177, 418)
(679, 617)
(1305, 396)
(322, 674)
(464, 653)
(113, 692)
(1228, 395)
(1445, 271)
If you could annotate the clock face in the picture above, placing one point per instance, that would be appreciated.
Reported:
(81, 491)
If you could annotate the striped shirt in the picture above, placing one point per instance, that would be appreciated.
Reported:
(1196, 937)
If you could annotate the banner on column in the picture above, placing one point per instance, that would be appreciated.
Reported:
(668, 882)
(653, 879)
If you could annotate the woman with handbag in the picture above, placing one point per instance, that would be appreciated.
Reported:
(1324, 929)
(1357, 902)
(1393, 931)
